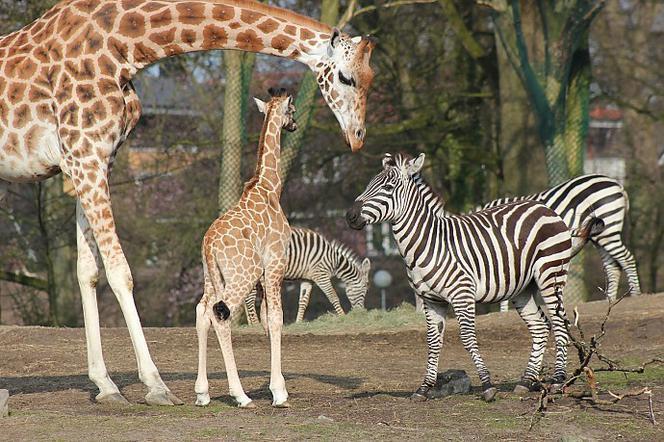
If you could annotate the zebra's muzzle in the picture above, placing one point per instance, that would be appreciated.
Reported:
(354, 217)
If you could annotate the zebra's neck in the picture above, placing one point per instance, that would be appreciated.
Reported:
(347, 266)
(424, 215)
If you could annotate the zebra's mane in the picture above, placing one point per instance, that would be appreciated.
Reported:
(347, 253)
(427, 191)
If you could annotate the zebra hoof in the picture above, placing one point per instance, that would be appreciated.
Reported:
(489, 394)
(416, 397)
(521, 390)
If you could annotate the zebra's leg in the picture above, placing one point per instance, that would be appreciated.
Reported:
(464, 309)
(435, 313)
(614, 246)
(250, 307)
(325, 283)
(504, 306)
(538, 327)
(303, 303)
(612, 271)
(553, 300)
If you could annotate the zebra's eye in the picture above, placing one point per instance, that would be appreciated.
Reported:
(348, 81)
(389, 187)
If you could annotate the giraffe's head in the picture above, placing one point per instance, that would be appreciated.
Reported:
(280, 107)
(344, 77)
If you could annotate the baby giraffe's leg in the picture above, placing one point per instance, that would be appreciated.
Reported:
(223, 311)
(203, 322)
(275, 321)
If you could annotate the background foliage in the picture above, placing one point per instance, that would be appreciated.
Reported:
(444, 86)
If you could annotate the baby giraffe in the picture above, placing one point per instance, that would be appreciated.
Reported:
(247, 244)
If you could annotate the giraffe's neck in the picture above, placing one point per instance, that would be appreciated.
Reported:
(156, 29)
(269, 153)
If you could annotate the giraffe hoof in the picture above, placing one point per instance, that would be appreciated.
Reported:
(202, 399)
(113, 398)
(417, 397)
(162, 398)
(521, 390)
(489, 394)
(249, 404)
(284, 404)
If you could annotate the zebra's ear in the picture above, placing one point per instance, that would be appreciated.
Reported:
(366, 265)
(260, 104)
(388, 160)
(415, 165)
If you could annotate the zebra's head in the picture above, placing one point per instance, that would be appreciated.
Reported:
(357, 287)
(385, 198)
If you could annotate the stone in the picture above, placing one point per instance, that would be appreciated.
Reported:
(4, 403)
(323, 418)
(450, 382)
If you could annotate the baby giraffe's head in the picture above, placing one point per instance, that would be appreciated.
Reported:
(280, 109)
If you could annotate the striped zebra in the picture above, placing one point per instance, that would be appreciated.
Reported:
(312, 258)
(581, 198)
(501, 253)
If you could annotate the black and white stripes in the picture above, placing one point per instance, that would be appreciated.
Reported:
(502, 253)
(314, 258)
(586, 196)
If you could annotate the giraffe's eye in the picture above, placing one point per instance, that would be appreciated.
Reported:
(348, 81)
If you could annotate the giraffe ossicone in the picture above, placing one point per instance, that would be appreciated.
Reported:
(246, 245)
(67, 104)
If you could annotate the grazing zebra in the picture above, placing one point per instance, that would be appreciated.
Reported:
(581, 198)
(313, 258)
(501, 253)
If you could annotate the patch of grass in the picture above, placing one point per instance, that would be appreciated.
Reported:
(616, 380)
(362, 321)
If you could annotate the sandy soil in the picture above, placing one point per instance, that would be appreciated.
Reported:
(345, 385)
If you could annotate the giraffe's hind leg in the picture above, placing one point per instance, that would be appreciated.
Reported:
(203, 323)
(537, 325)
(221, 313)
(88, 275)
(90, 179)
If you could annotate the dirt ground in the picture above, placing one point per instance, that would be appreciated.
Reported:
(342, 384)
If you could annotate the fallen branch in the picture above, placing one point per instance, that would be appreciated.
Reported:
(588, 349)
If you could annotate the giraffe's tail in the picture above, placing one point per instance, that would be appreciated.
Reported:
(220, 309)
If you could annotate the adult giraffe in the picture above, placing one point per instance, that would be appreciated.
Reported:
(67, 103)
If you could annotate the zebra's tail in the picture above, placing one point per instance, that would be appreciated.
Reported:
(594, 226)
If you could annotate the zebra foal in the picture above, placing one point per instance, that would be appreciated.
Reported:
(501, 253)
(584, 197)
(312, 258)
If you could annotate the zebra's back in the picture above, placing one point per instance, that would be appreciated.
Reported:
(309, 252)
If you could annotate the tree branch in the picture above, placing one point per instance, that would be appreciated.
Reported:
(28, 281)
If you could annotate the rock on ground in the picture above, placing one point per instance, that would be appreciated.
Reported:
(450, 382)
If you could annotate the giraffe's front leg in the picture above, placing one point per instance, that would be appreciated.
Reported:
(90, 179)
(88, 275)
(435, 313)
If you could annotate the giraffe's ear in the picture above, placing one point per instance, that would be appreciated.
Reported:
(261, 105)
(415, 165)
(334, 41)
(285, 105)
